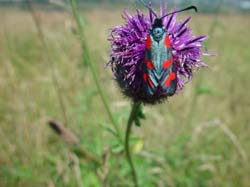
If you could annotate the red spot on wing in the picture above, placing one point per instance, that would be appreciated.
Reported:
(171, 77)
(145, 77)
(148, 42)
(148, 80)
(167, 42)
(150, 64)
(167, 83)
(167, 63)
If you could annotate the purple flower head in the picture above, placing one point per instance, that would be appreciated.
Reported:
(128, 45)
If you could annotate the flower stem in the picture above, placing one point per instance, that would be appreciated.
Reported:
(132, 117)
(87, 60)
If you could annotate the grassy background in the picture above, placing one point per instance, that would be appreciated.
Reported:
(198, 138)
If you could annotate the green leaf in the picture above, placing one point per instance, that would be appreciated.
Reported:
(141, 113)
(137, 122)
(117, 148)
(110, 130)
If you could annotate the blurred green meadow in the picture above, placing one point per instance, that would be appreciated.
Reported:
(198, 138)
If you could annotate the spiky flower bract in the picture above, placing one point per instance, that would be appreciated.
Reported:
(128, 48)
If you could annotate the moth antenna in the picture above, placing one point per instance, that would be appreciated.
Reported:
(182, 10)
(150, 9)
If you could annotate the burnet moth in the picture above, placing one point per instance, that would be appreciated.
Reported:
(159, 69)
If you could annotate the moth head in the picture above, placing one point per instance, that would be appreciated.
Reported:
(157, 29)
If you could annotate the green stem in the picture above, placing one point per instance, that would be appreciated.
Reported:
(131, 119)
(87, 60)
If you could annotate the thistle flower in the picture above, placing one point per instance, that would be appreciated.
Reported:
(128, 50)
